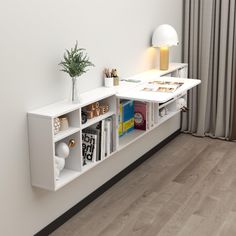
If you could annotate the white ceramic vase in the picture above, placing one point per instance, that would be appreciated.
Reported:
(75, 98)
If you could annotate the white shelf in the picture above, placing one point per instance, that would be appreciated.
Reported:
(66, 133)
(130, 138)
(167, 117)
(172, 100)
(66, 176)
(89, 166)
(65, 106)
(97, 119)
(42, 140)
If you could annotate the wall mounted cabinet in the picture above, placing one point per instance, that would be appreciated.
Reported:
(43, 141)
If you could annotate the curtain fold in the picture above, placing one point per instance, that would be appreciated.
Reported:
(209, 49)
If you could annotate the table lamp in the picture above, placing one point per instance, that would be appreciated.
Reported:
(164, 37)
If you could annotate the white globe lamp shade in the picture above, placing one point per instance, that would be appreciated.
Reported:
(165, 36)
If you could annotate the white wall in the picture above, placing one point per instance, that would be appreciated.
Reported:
(34, 35)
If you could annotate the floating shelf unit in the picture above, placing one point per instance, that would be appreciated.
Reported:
(43, 141)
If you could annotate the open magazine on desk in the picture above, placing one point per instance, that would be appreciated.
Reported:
(162, 86)
(153, 91)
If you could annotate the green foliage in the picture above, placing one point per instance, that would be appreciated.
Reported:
(76, 61)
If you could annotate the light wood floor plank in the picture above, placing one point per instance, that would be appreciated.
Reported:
(187, 188)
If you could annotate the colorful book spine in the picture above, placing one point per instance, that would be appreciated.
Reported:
(89, 143)
(127, 116)
(108, 137)
(120, 120)
(140, 115)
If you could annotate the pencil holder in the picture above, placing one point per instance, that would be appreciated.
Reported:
(109, 82)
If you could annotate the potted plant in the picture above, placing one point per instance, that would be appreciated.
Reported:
(75, 63)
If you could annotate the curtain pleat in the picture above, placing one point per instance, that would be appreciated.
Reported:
(232, 130)
(209, 49)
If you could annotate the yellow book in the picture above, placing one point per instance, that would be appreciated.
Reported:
(120, 120)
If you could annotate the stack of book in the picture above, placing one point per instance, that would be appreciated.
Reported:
(97, 141)
(126, 117)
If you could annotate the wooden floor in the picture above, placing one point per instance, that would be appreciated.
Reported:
(188, 188)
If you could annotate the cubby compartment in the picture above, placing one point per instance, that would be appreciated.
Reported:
(134, 119)
(73, 162)
(170, 108)
(69, 123)
(98, 142)
(167, 112)
(99, 110)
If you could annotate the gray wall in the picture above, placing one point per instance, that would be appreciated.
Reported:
(34, 35)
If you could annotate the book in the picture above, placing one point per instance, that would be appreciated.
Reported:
(95, 129)
(127, 116)
(89, 142)
(140, 115)
(120, 120)
(108, 136)
(162, 86)
(102, 125)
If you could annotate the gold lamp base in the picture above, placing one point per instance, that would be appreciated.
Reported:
(164, 58)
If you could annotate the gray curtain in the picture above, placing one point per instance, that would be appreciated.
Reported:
(210, 51)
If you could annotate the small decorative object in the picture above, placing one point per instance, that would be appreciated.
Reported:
(92, 106)
(106, 108)
(181, 104)
(90, 114)
(115, 77)
(64, 123)
(84, 117)
(166, 111)
(96, 104)
(96, 109)
(162, 112)
(109, 76)
(97, 112)
(62, 152)
(59, 166)
(102, 110)
(75, 64)
(57, 125)
(108, 80)
(71, 143)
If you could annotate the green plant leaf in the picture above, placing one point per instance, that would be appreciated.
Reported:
(76, 62)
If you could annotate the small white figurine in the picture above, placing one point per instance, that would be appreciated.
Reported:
(62, 152)
(162, 112)
(59, 166)
(181, 104)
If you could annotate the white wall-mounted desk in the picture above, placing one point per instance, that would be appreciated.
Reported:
(42, 139)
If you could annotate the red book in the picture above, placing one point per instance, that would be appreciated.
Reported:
(140, 115)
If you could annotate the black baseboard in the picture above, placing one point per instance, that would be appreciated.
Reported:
(79, 206)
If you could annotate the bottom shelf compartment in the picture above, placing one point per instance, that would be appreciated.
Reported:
(89, 165)
(167, 117)
(130, 137)
(66, 176)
